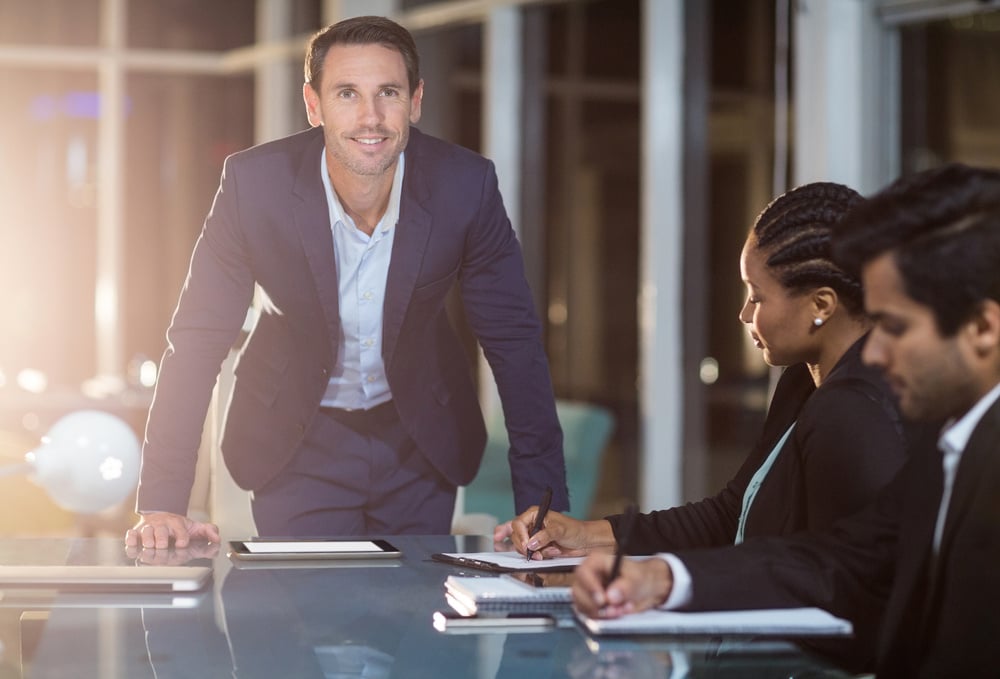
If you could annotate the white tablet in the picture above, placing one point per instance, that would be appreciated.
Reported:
(283, 549)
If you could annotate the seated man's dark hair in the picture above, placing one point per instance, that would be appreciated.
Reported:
(942, 227)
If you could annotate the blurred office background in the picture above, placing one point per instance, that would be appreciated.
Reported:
(635, 142)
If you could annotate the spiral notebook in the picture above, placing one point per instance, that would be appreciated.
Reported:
(471, 595)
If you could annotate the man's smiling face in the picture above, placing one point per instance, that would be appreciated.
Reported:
(365, 107)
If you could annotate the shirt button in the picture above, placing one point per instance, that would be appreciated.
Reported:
(367, 295)
(371, 378)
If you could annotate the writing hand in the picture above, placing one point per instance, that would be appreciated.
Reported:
(640, 585)
(540, 514)
(561, 536)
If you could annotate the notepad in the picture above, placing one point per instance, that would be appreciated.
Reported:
(472, 595)
(763, 622)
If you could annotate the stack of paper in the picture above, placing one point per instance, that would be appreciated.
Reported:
(777, 622)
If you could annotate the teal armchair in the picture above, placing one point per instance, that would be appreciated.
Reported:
(586, 431)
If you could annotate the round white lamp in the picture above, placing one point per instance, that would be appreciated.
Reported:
(88, 462)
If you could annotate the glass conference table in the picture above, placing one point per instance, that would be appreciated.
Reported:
(341, 620)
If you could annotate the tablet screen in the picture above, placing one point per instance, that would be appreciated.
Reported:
(326, 546)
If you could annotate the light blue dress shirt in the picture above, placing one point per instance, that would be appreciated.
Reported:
(683, 589)
(755, 482)
(358, 380)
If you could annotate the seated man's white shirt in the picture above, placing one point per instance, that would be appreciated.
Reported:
(681, 591)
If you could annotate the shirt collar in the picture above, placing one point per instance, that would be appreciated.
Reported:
(956, 433)
(337, 213)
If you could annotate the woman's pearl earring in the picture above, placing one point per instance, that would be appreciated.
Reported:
(818, 322)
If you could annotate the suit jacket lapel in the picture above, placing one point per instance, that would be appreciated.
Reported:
(408, 247)
(312, 220)
(912, 609)
(975, 463)
(925, 596)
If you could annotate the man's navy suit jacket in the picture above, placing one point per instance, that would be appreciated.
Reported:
(269, 227)
(928, 615)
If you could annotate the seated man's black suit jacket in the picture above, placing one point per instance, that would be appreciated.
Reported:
(941, 617)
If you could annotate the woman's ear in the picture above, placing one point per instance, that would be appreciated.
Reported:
(824, 303)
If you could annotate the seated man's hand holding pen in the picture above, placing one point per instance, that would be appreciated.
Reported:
(638, 586)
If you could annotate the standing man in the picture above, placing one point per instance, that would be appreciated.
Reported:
(353, 410)
(928, 249)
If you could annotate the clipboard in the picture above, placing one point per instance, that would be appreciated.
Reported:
(506, 562)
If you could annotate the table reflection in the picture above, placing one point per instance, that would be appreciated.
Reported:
(346, 619)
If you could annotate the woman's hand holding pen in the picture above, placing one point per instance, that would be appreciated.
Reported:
(640, 585)
(560, 535)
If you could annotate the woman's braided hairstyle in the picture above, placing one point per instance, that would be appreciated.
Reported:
(794, 233)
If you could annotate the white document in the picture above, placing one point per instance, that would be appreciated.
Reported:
(774, 621)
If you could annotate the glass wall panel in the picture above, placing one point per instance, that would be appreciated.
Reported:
(949, 111)
(190, 24)
(612, 40)
(179, 131)
(48, 190)
(451, 66)
(591, 220)
(741, 140)
(58, 23)
(592, 245)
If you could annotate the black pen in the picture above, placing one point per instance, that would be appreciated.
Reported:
(543, 509)
(627, 522)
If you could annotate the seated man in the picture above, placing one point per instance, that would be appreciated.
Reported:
(928, 249)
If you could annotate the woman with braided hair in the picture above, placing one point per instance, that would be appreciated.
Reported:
(832, 436)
